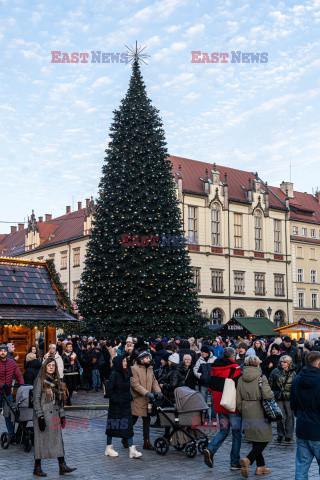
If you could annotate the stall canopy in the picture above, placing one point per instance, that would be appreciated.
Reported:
(307, 330)
(245, 326)
(28, 296)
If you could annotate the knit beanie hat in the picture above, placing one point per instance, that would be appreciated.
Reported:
(144, 354)
(3, 347)
(174, 358)
(205, 349)
(275, 346)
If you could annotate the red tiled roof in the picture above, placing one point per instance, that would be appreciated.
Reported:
(13, 244)
(192, 171)
(304, 206)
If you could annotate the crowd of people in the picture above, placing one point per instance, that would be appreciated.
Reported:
(134, 372)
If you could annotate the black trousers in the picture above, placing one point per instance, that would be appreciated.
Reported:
(146, 425)
(256, 453)
(71, 382)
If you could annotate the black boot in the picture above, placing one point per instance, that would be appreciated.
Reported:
(63, 468)
(37, 471)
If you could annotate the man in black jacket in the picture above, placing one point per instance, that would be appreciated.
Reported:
(305, 402)
(288, 349)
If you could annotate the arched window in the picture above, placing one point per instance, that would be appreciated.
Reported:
(216, 316)
(279, 318)
(239, 313)
(258, 230)
(215, 224)
(259, 313)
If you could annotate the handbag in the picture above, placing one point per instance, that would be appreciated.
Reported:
(271, 409)
(229, 394)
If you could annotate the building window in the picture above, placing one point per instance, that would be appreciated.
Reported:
(279, 318)
(237, 230)
(239, 282)
(313, 232)
(215, 224)
(301, 299)
(40, 259)
(259, 283)
(192, 225)
(76, 257)
(196, 278)
(51, 256)
(258, 231)
(299, 252)
(238, 313)
(295, 231)
(314, 300)
(216, 316)
(279, 285)
(304, 232)
(217, 281)
(313, 276)
(64, 259)
(259, 314)
(277, 236)
(300, 275)
(76, 289)
(312, 254)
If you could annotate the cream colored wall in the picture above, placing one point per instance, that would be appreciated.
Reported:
(307, 264)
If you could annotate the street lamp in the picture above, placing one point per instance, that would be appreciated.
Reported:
(269, 310)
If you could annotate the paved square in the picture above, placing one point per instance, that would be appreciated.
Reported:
(85, 443)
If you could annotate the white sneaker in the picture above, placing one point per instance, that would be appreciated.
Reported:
(110, 452)
(133, 452)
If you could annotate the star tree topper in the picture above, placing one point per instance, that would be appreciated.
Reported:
(135, 53)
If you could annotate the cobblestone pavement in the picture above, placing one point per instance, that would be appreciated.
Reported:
(85, 444)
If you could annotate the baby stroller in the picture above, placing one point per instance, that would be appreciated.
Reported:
(21, 413)
(186, 419)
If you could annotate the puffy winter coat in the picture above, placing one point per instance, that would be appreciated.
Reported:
(142, 382)
(281, 382)
(189, 380)
(222, 368)
(274, 359)
(256, 427)
(305, 402)
(8, 370)
(119, 423)
(202, 369)
(31, 371)
(172, 380)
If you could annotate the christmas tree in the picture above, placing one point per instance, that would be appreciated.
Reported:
(136, 277)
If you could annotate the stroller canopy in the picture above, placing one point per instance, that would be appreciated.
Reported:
(188, 400)
(22, 398)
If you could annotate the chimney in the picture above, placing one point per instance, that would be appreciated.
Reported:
(87, 202)
(48, 217)
(20, 227)
(317, 195)
(287, 186)
(79, 205)
(68, 209)
(40, 219)
(13, 229)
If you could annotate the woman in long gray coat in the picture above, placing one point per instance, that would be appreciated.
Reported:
(257, 429)
(48, 418)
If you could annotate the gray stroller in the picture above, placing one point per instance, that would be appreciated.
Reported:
(186, 418)
(21, 413)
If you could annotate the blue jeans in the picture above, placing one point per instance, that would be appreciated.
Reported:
(9, 424)
(96, 382)
(306, 451)
(227, 421)
(204, 392)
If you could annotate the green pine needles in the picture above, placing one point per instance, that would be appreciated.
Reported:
(144, 289)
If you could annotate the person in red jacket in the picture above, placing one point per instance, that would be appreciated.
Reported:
(223, 368)
(8, 370)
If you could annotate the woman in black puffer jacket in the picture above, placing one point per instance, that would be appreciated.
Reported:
(173, 379)
(32, 368)
(120, 423)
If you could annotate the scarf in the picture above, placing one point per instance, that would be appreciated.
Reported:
(51, 388)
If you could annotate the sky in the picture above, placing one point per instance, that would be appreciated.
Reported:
(55, 117)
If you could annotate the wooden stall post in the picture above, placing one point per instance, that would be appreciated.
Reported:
(49, 337)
